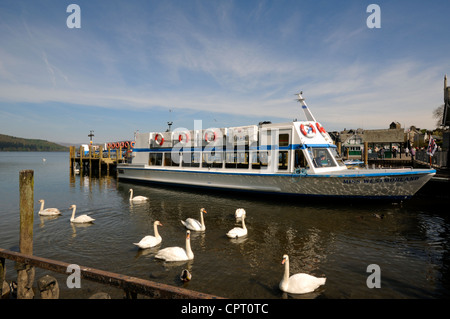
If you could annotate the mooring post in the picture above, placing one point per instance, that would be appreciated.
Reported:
(25, 273)
(366, 154)
(81, 160)
(90, 160)
(72, 157)
(2, 274)
(100, 155)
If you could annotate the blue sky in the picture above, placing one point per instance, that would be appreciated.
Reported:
(135, 65)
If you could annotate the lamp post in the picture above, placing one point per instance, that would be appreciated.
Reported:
(91, 135)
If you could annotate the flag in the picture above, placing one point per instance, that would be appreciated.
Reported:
(431, 146)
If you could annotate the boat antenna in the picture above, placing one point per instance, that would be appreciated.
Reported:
(305, 108)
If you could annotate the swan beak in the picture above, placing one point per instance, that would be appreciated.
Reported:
(283, 261)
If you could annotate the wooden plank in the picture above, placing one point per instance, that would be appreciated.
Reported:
(127, 283)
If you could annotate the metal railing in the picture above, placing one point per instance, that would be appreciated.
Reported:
(439, 159)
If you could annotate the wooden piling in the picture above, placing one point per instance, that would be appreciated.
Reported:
(90, 160)
(81, 160)
(25, 273)
(366, 154)
(2, 274)
(100, 154)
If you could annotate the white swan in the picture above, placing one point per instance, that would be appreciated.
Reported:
(177, 253)
(48, 211)
(137, 198)
(238, 231)
(299, 283)
(194, 224)
(151, 241)
(80, 219)
(239, 213)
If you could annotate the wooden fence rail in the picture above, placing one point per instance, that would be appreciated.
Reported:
(131, 285)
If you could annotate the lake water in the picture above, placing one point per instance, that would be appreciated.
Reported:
(338, 240)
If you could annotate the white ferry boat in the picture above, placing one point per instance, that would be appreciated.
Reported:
(294, 158)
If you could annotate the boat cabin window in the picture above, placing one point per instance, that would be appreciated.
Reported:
(212, 159)
(300, 159)
(259, 159)
(155, 159)
(283, 160)
(167, 159)
(321, 157)
(337, 157)
(172, 159)
(191, 159)
(283, 140)
(237, 159)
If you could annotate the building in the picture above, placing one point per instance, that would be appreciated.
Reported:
(352, 141)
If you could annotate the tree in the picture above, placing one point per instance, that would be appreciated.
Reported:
(438, 113)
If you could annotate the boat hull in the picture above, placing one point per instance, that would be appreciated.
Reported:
(366, 183)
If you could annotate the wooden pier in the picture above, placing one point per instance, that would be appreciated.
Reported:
(97, 158)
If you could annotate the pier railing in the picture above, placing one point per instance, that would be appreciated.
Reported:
(96, 157)
(438, 160)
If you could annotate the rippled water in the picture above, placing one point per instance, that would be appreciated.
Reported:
(337, 240)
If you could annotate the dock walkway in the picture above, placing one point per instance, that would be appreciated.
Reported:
(97, 158)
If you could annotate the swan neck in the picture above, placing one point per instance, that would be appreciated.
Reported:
(188, 248)
(73, 213)
(201, 218)
(243, 222)
(155, 228)
(131, 194)
(42, 205)
(286, 269)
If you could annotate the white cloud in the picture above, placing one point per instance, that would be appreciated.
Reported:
(203, 63)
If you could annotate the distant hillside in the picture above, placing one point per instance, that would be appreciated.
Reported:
(17, 144)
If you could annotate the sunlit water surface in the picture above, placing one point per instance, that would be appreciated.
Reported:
(337, 240)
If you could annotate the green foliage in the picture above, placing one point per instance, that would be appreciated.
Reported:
(17, 144)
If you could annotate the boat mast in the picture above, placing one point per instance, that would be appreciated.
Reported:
(305, 108)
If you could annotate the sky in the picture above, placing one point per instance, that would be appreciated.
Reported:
(136, 65)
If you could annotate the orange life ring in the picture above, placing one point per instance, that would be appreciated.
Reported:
(122, 144)
(160, 141)
(109, 145)
(320, 128)
(132, 144)
(127, 144)
(183, 137)
(117, 145)
(308, 133)
(213, 138)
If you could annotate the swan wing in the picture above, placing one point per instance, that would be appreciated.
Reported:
(193, 224)
(237, 232)
(172, 254)
(139, 198)
(49, 212)
(303, 283)
(83, 219)
(148, 241)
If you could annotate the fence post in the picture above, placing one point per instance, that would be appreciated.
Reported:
(2, 274)
(25, 273)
